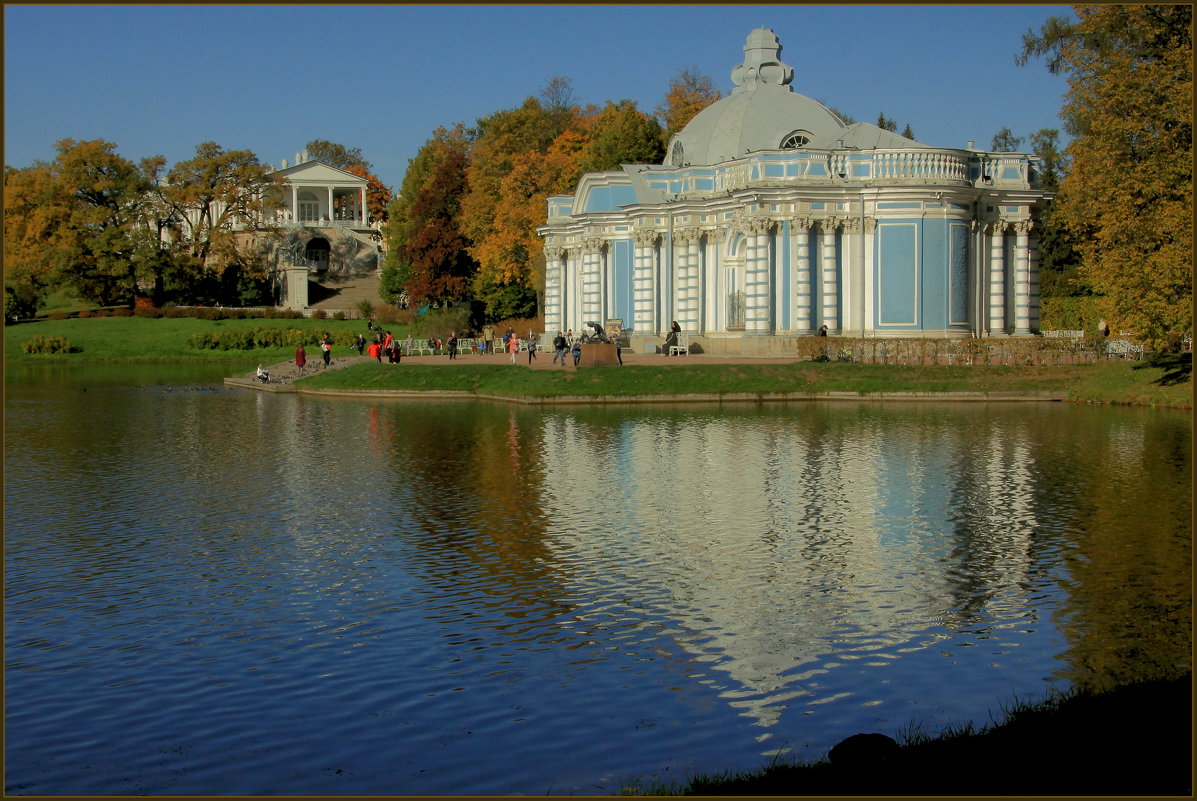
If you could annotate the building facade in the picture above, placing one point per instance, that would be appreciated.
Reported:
(772, 217)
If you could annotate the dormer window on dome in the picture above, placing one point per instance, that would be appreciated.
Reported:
(677, 155)
(795, 140)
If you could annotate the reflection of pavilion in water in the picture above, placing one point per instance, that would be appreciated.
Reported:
(781, 547)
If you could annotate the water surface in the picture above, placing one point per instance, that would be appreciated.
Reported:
(216, 591)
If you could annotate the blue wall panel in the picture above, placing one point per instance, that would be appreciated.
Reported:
(958, 274)
(934, 275)
(897, 274)
(622, 254)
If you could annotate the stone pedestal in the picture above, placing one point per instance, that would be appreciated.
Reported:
(598, 355)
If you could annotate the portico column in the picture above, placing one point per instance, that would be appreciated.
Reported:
(997, 278)
(1022, 278)
(803, 300)
(365, 218)
(330, 203)
(554, 300)
(592, 281)
(687, 240)
(643, 289)
(830, 279)
(1033, 272)
(757, 319)
(294, 202)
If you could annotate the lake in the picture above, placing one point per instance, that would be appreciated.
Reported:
(215, 591)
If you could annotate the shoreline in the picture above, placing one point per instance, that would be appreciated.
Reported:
(284, 374)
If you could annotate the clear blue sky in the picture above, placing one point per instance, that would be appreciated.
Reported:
(161, 79)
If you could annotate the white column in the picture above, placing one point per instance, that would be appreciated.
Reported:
(997, 278)
(365, 218)
(554, 299)
(1033, 271)
(592, 282)
(1022, 278)
(685, 245)
(830, 278)
(757, 317)
(330, 203)
(294, 202)
(644, 289)
(869, 272)
(803, 299)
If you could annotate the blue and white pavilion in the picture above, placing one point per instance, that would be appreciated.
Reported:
(771, 217)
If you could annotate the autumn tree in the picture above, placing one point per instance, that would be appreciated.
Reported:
(209, 195)
(690, 91)
(80, 223)
(378, 195)
(1127, 198)
(428, 257)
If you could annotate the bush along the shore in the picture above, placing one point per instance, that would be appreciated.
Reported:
(48, 345)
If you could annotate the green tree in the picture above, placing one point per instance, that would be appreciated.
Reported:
(1127, 198)
(336, 155)
(1058, 258)
(622, 134)
(885, 123)
(908, 132)
(1004, 141)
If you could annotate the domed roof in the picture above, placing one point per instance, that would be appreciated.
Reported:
(762, 113)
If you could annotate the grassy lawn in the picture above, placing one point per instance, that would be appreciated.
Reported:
(1137, 383)
(1164, 382)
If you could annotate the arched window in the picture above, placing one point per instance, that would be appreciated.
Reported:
(677, 155)
(795, 140)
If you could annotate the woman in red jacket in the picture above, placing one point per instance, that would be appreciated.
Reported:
(301, 358)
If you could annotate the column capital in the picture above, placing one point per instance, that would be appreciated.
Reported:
(801, 222)
(828, 224)
(645, 237)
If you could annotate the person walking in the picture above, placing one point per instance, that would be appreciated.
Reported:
(531, 347)
(360, 344)
(559, 347)
(326, 348)
(452, 344)
(488, 339)
(301, 360)
(577, 351)
(513, 346)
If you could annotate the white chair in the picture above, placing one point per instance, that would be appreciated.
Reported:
(682, 348)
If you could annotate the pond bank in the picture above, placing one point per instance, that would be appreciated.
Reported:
(705, 379)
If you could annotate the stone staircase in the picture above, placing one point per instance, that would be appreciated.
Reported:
(343, 291)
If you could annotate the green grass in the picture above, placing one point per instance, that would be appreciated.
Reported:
(1108, 382)
(136, 340)
(1164, 382)
(1134, 740)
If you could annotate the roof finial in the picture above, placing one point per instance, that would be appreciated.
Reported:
(762, 62)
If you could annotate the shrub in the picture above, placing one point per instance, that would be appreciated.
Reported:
(338, 315)
(146, 310)
(48, 345)
(84, 314)
(121, 312)
(57, 314)
(319, 314)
